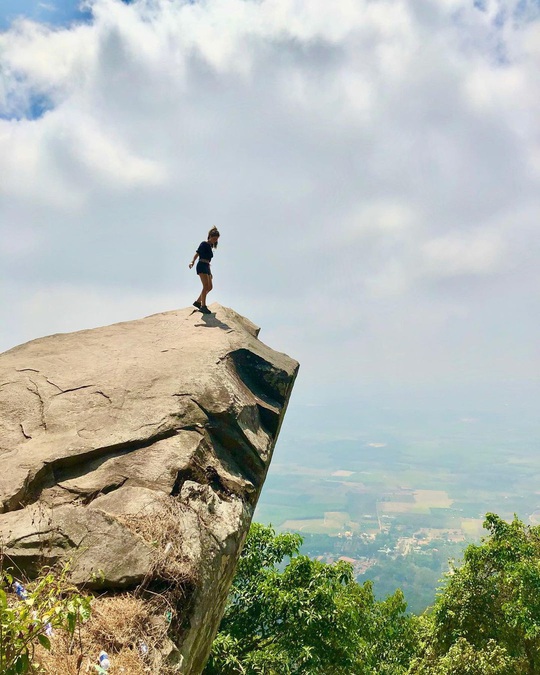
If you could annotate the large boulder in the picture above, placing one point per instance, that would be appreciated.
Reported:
(138, 451)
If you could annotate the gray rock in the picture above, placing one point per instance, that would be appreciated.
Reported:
(138, 451)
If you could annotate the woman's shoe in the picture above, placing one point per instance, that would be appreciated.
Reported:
(197, 304)
(205, 310)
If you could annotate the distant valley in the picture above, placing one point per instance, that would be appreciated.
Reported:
(404, 491)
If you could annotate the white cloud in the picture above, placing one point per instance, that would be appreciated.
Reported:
(373, 166)
(455, 254)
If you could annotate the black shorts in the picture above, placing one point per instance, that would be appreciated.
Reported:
(203, 268)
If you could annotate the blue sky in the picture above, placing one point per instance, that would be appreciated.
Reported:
(374, 168)
(53, 12)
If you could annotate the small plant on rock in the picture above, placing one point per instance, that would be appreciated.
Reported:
(29, 616)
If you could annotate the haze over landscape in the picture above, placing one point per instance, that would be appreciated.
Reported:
(374, 169)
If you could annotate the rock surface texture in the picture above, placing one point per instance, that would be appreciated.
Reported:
(129, 446)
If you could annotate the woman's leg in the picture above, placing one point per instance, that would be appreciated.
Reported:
(206, 280)
(203, 282)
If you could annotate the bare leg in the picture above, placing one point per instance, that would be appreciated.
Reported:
(206, 280)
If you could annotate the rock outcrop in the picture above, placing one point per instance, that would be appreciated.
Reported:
(138, 451)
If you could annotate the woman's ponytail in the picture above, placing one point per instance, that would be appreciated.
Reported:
(214, 232)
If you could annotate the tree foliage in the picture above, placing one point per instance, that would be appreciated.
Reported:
(487, 616)
(462, 658)
(306, 616)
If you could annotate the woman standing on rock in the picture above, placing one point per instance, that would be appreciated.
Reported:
(205, 253)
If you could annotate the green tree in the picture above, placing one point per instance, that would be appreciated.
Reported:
(488, 613)
(464, 659)
(306, 617)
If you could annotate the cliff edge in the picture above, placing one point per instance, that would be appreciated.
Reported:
(138, 451)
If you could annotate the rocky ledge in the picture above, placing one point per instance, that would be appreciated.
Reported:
(138, 452)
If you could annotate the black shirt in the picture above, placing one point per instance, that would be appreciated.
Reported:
(205, 251)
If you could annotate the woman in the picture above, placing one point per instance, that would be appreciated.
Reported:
(205, 253)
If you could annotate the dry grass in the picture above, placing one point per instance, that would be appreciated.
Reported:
(123, 623)
(120, 625)
(160, 530)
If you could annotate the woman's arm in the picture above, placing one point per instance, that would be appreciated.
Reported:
(194, 259)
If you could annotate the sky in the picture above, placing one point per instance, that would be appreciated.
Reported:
(373, 167)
